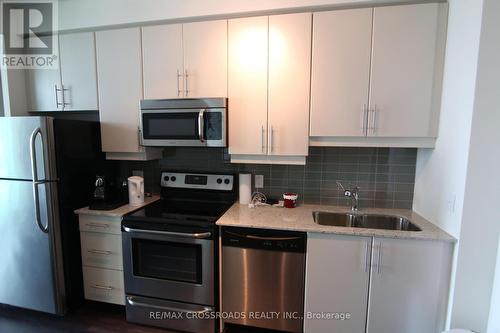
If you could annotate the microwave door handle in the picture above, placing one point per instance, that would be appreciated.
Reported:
(201, 125)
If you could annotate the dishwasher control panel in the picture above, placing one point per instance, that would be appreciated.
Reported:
(272, 240)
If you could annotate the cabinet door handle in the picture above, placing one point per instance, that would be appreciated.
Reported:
(139, 137)
(97, 225)
(103, 252)
(262, 139)
(364, 120)
(374, 119)
(379, 261)
(63, 90)
(367, 256)
(179, 90)
(271, 139)
(56, 91)
(186, 82)
(98, 286)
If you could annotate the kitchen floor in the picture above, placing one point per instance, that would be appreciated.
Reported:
(90, 318)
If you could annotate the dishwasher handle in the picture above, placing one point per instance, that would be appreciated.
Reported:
(274, 240)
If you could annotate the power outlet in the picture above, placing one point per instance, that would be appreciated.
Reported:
(259, 181)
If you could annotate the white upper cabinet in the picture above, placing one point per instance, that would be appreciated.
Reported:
(44, 90)
(162, 63)
(376, 75)
(78, 71)
(73, 87)
(268, 88)
(340, 72)
(185, 60)
(403, 70)
(120, 92)
(289, 82)
(247, 85)
(205, 59)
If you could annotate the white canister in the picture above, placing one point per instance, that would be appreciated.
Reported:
(135, 190)
(245, 181)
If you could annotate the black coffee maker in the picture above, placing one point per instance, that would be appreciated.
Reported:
(109, 193)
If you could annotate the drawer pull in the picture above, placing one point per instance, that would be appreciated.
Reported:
(132, 301)
(108, 253)
(98, 286)
(97, 225)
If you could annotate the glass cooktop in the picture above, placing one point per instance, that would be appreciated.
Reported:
(182, 210)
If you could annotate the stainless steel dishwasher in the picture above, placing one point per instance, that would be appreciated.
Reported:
(263, 278)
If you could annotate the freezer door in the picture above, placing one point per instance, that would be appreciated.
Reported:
(30, 270)
(20, 137)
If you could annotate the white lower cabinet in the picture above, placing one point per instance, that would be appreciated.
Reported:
(102, 259)
(103, 285)
(102, 250)
(383, 285)
(337, 277)
(409, 286)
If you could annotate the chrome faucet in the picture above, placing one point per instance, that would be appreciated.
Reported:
(352, 194)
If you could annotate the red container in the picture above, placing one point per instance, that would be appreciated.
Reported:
(290, 200)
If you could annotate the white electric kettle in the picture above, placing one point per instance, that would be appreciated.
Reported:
(135, 190)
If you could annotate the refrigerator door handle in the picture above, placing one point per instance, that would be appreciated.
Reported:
(36, 182)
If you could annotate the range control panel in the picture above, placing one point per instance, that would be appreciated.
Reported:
(197, 180)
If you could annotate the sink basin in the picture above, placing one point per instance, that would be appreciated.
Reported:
(359, 220)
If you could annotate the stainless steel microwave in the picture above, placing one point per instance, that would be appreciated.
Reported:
(184, 122)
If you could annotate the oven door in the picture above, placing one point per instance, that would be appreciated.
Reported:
(171, 265)
(184, 127)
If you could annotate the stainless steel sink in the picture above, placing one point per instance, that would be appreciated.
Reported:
(360, 220)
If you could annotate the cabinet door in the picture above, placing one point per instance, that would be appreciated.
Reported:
(247, 85)
(120, 88)
(78, 71)
(289, 84)
(162, 63)
(408, 291)
(403, 63)
(205, 59)
(341, 54)
(44, 89)
(337, 277)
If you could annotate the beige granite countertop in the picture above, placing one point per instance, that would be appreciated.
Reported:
(118, 212)
(301, 219)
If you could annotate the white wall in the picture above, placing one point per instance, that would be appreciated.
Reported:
(77, 14)
(441, 172)
(478, 247)
(14, 92)
(494, 320)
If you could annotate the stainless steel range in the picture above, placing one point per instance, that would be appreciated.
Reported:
(170, 253)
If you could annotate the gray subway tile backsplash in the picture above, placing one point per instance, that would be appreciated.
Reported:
(386, 176)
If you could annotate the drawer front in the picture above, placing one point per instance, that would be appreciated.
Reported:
(101, 250)
(155, 312)
(104, 285)
(104, 224)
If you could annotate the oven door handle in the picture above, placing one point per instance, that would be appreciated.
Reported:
(198, 235)
(131, 301)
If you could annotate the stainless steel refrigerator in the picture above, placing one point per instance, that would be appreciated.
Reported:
(46, 167)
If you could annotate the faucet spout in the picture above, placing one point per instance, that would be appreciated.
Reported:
(352, 194)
